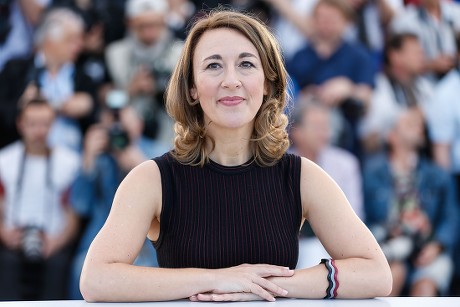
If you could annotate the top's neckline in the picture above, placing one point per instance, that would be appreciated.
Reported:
(235, 169)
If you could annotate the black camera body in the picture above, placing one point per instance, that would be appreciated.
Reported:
(32, 244)
(118, 136)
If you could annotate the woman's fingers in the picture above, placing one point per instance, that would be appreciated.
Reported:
(247, 279)
(266, 270)
(259, 289)
(275, 271)
(271, 287)
(261, 292)
(227, 297)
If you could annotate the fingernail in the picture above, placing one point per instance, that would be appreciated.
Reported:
(285, 292)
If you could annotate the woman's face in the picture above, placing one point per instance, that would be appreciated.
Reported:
(229, 79)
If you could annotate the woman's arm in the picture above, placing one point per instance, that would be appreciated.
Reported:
(108, 273)
(363, 271)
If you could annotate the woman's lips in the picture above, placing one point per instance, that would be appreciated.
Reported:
(230, 101)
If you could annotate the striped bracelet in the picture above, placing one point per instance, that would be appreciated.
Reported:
(331, 291)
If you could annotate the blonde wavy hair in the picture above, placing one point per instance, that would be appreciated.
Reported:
(269, 138)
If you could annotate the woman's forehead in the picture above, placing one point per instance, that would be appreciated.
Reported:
(223, 42)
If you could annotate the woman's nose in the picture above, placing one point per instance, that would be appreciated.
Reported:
(231, 79)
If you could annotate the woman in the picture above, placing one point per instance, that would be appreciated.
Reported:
(229, 195)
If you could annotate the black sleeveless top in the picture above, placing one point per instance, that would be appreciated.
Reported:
(217, 216)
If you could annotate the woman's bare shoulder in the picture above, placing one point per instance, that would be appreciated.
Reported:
(312, 172)
(318, 189)
(142, 186)
(146, 169)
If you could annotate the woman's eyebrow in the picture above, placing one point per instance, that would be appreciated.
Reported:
(246, 55)
(213, 57)
(219, 57)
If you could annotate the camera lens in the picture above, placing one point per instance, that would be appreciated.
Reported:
(118, 137)
(32, 244)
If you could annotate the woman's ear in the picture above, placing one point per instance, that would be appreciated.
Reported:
(194, 93)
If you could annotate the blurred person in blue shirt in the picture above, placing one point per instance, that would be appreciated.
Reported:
(410, 208)
(339, 72)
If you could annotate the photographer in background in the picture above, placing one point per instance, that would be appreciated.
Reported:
(111, 149)
(37, 225)
(142, 62)
(411, 210)
(400, 85)
(53, 72)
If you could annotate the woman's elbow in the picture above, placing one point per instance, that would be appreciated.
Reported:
(384, 279)
(87, 288)
(90, 286)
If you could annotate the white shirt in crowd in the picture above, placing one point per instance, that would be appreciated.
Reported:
(39, 202)
(443, 116)
(385, 108)
(436, 36)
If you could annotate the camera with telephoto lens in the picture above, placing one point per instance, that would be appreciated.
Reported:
(118, 137)
(32, 243)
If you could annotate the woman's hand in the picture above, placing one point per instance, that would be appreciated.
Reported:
(229, 297)
(246, 282)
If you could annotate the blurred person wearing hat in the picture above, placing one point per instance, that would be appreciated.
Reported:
(142, 62)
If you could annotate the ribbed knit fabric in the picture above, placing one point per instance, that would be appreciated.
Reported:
(217, 216)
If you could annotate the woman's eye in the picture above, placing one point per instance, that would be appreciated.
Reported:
(247, 64)
(213, 66)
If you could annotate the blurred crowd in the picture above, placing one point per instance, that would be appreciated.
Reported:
(373, 102)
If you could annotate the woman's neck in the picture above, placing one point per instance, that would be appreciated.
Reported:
(231, 146)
